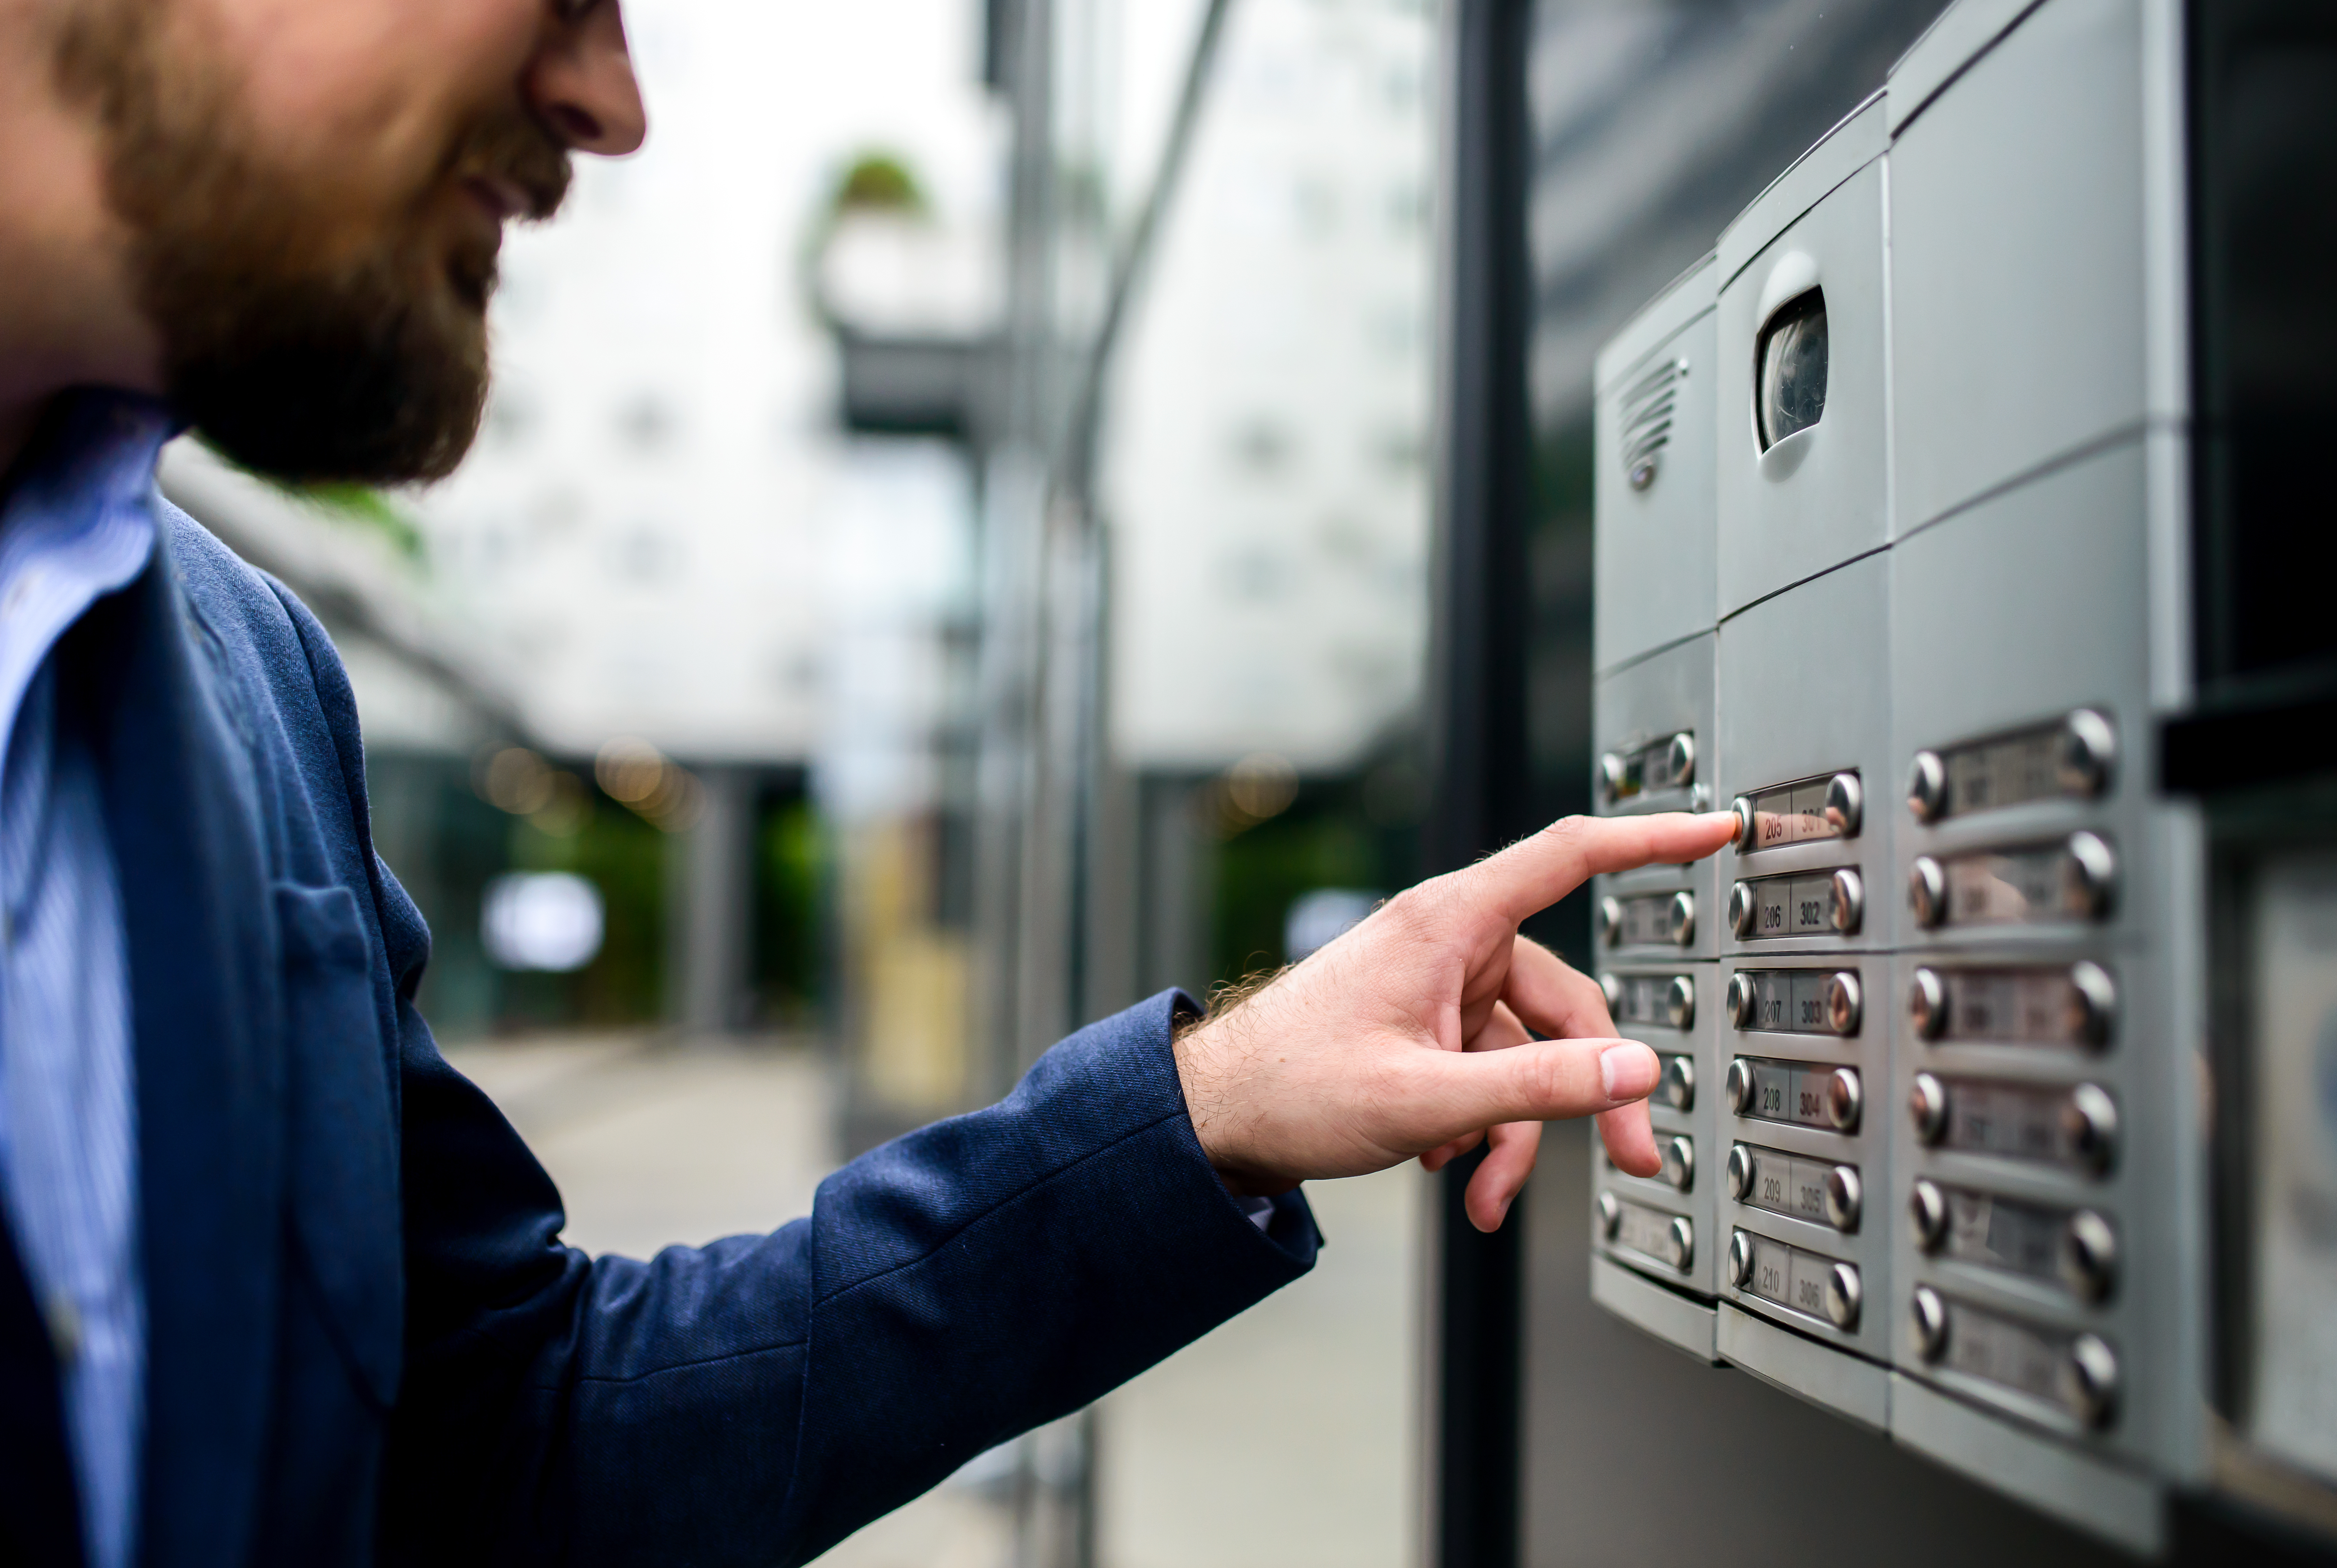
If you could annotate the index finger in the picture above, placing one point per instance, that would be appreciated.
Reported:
(1535, 873)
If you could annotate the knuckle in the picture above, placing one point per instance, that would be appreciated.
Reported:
(1414, 912)
(1546, 1080)
(1572, 829)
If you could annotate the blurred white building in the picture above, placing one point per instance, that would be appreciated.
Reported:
(645, 537)
(1265, 463)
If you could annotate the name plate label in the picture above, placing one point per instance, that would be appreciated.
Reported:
(1793, 907)
(1647, 920)
(2024, 1007)
(2025, 1357)
(1788, 1277)
(1792, 814)
(2003, 1233)
(2010, 771)
(1784, 1184)
(1790, 1001)
(1646, 1000)
(1799, 1093)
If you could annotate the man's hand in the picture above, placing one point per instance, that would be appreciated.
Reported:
(1409, 1035)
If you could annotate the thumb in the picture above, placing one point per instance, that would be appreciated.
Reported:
(1539, 1081)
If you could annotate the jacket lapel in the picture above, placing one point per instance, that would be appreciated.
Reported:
(183, 809)
(40, 1515)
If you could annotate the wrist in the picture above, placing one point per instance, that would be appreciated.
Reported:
(1207, 1052)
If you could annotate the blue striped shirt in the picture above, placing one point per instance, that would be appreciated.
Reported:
(78, 525)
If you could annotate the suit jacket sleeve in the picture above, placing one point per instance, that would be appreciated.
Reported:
(758, 1399)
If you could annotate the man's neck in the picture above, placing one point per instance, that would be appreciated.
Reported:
(16, 425)
(69, 316)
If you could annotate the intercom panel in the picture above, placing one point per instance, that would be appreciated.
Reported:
(2017, 256)
(1804, 737)
(2020, 993)
(1653, 720)
(1661, 1226)
(1655, 428)
(1802, 405)
(1807, 1134)
(2048, 1018)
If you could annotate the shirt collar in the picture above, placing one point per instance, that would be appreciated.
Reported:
(78, 525)
(94, 452)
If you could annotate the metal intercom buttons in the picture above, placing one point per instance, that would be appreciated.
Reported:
(1679, 1163)
(2089, 1379)
(1679, 1243)
(1844, 1195)
(1843, 1296)
(1927, 1004)
(1927, 787)
(1679, 920)
(1927, 1106)
(2089, 1256)
(1740, 1171)
(1849, 902)
(1744, 909)
(1845, 804)
(1927, 891)
(1679, 1002)
(1927, 1206)
(1845, 1099)
(2089, 1129)
(1678, 1085)
(1927, 1323)
(1845, 1005)
(2089, 752)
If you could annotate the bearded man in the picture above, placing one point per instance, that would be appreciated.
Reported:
(276, 1286)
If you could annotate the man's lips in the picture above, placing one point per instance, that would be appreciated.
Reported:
(503, 199)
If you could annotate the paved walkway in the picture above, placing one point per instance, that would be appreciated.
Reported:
(1282, 1440)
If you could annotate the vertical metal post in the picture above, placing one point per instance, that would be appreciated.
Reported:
(710, 903)
(1478, 725)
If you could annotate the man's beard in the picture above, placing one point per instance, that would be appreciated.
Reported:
(303, 337)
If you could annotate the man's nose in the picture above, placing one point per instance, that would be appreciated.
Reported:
(582, 82)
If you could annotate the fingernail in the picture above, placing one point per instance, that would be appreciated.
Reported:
(1627, 1071)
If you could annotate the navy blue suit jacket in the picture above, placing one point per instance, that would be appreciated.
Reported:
(366, 1341)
